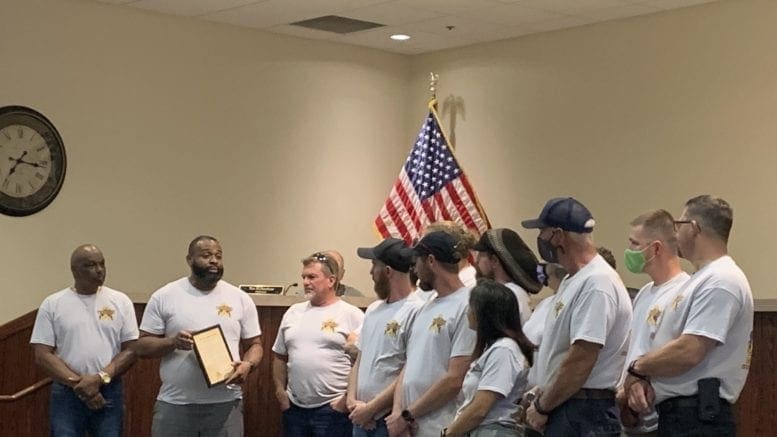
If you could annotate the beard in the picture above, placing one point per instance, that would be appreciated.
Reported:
(205, 275)
(382, 287)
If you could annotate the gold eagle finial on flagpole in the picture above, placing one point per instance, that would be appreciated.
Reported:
(433, 78)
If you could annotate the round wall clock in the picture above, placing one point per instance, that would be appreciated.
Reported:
(32, 161)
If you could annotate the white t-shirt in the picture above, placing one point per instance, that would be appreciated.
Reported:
(440, 332)
(533, 331)
(86, 330)
(523, 301)
(501, 369)
(536, 323)
(386, 330)
(591, 305)
(314, 337)
(716, 302)
(179, 306)
(639, 342)
(468, 276)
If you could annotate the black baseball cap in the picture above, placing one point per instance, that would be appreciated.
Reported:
(390, 252)
(563, 212)
(440, 244)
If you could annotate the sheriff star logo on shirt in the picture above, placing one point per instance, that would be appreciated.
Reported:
(328, 325)
(653, 316)
(437, 324)
(676, 301)
(391, 328)
(224, 310)
(559, 306)
(105, 314)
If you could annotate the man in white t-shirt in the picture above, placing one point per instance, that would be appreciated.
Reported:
(383, 340)
(701, 344)
(505, 258)
(82, 339)
(440, 346)
(186, 406)
(652, 250)
(310, 365)
(580, 359)
(464, 242)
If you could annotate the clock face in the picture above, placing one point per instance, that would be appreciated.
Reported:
(32, 161)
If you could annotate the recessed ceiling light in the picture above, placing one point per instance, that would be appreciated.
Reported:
(400, 37)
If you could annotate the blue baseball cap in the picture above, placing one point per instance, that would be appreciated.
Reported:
(565, 213)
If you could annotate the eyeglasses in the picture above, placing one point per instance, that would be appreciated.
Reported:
(678, 223)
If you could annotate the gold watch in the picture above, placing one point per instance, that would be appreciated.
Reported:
(104, 377)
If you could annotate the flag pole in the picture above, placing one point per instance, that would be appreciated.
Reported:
(433, 79)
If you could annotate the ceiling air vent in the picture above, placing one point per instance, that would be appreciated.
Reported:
(336, 24)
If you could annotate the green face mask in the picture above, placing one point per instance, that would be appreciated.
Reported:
(635, 260)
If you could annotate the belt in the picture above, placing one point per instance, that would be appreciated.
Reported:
(683, 402)
(594, 393)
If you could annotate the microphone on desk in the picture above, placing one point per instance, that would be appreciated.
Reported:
(293, 284)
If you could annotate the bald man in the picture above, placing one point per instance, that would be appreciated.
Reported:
(342, 289)
(81, 339)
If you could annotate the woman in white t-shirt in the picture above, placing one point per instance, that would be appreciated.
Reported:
(497, 376)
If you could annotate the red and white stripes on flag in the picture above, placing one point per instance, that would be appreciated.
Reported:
(431, 187)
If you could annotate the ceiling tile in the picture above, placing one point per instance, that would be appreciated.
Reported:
(571, 7)
(622, 11)
(302, 32)
(190, 7)
(674, 4)
(391, 14)
(560, 23)
(513, 15)
(270, 13)
(448, 6)
(117, 2)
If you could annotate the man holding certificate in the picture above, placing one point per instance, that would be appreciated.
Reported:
(196, 325)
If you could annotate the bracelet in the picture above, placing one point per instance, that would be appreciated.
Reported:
(630, 370)
(408, 416)
(444, 432)
(539, 409)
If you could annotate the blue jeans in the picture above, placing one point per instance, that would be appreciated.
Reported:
(321, 421)
(380, 430)
(584, 417)
(70, 417)
(679, 417)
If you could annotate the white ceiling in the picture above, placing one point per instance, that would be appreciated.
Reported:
(426, 21)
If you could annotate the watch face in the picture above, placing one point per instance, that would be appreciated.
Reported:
(32, 161)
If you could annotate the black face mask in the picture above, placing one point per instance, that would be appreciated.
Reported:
(547, 251)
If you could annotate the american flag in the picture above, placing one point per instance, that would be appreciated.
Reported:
(431, 187)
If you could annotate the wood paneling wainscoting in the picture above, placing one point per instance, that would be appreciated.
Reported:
(29, 416)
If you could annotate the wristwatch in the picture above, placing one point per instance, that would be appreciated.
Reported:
(408, 416)
(105, 378)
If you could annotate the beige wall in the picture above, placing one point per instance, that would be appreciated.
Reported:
(280, 146)
(175, 127)
(626, 116)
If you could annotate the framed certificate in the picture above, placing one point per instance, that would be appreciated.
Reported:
(213, 354)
